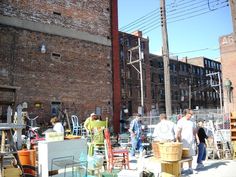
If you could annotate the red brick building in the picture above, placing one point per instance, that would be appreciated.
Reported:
(57, 54)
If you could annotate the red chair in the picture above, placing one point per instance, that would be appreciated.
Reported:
(115, 156)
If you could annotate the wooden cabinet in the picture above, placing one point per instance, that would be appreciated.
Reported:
(233, 126)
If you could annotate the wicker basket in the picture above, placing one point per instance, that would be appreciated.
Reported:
(156, 149)
(185, 152)
(171, 151)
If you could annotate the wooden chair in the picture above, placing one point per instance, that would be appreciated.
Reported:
(119, 156)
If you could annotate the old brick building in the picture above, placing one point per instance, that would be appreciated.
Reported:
(57, 54)
(130, 73)
(190, 87)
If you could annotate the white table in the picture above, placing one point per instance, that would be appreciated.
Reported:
(50, 153)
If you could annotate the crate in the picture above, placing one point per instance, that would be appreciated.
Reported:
(156, 149)
(10, 171)
(234, 149)
(171, 169)
(171, 151)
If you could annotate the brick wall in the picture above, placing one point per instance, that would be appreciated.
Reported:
(228, 61)
(76, 69)
(92, 16)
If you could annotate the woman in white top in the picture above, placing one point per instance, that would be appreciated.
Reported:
(57, 125)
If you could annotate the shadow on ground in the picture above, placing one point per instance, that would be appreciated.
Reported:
(213, 165)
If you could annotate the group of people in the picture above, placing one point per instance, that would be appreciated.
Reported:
(185, 131)
(58, 127)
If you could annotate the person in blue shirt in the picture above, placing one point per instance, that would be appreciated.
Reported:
(136, 133)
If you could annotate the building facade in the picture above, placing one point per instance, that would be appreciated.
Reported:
(190, 84)
(56, 55)
(228, 60)
(130, 59)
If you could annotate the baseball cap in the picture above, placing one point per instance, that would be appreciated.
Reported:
(93, 114)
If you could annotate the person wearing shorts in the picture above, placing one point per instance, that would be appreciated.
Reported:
(186, 132)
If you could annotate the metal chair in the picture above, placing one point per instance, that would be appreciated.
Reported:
(75, 125)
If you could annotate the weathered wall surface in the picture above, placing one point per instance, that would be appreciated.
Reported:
(92, 16)
(75, 72)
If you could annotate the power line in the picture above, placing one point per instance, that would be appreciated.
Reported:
(156, 25)
(151, 21)
(197, 50)
(153, 12)
(139, 19)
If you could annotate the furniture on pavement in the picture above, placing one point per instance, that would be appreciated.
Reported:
(63, 158)
(75, 125)
(9, 148)
(97, 136)
(115, 156)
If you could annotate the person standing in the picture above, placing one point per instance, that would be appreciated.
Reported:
(57, 125)
(186, 132)
(135, 133)
(165, 130)
(88, 121)
(201, 141)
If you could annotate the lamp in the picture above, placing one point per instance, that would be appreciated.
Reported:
(43, 48)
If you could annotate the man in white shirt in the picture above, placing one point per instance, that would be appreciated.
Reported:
(164, 130)
(186, 133)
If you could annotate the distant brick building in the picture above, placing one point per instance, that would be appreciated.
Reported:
(130, 73)
(57, 54)
(190, 87)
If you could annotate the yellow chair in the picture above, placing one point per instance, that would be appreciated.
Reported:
(97, 136)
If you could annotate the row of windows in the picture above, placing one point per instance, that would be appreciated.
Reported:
(182, 67)
(212, 64)
(197, 95)
(130, 42)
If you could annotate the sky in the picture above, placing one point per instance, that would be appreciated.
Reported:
(204, 21)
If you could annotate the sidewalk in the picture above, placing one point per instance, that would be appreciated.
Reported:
(215, 168)
(212, 168)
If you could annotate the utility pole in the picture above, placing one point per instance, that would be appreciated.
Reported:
(141, 72)
(189, 96)
(217, 84)
(233, 14)
(165, 53)
(140, 69)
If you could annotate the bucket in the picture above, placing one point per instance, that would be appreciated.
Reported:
(27, 157)
(171, 151)
(156, 149)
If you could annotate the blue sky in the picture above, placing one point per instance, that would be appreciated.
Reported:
(199, 34)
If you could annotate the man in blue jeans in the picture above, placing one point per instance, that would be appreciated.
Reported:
(136, 132)
(201, 140)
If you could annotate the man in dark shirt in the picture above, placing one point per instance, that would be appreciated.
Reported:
(201, 141)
